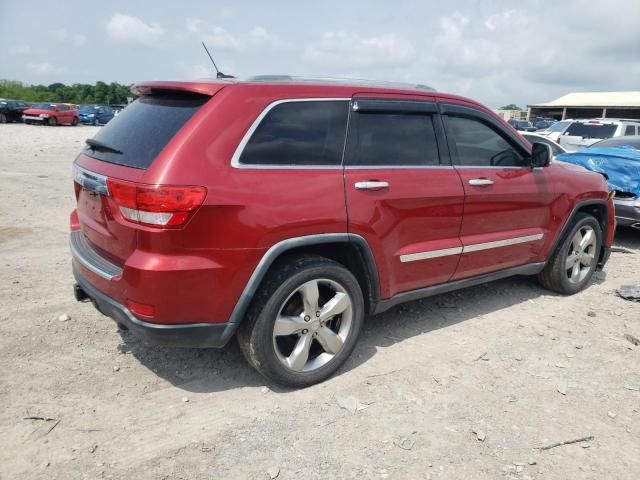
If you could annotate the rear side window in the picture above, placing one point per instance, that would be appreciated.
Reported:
(479, 145)
(590, 130)
(299, 133)
(392, 139)
(144, 128)
(630, 130)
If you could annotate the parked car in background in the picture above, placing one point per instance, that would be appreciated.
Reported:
(287, 211)
(584, 133)
(554, 131)
(94, 114)
(50, 114)
(117, 108)
(11, 110)
(619, 159)
(534, 137)
(522, 125)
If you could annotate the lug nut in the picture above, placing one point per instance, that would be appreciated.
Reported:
(305, 331)
(317, 314)
(307, 318)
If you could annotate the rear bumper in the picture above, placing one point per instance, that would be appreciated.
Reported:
(190, 335)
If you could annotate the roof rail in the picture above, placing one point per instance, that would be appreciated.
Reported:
(339, 81)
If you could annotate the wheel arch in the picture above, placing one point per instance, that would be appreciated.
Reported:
(597, 208)
(352, 251)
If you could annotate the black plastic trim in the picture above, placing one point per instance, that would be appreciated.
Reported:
(190, 335)
(282, 247)
(393, 106)
(528, 269)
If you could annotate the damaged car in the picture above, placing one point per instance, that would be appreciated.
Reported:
(618, 159)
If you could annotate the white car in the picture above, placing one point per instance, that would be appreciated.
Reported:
(554, 131)
(536, 137)
(584, 133)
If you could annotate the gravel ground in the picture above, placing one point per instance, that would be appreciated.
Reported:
(463, 385)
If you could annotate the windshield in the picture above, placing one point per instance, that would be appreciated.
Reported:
(87, 108)
(558, 127)
(44, 106)
(139, 133)
(633, 142)
(591, 130)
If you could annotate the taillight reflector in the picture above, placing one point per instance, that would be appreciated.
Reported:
(157, 205)
(141, 309)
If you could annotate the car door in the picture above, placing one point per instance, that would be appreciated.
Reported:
(402, 194)
(507, 207)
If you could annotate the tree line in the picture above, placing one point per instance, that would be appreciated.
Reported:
(101, 92)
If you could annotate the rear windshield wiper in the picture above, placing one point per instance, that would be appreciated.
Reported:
(98, 145)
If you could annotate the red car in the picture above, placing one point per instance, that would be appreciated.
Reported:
(50, 114)
(286, 211)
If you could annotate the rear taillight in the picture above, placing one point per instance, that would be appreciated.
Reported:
(156, 205)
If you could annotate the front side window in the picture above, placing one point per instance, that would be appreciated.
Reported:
(479, 145)
(299, 133)
(391, 139)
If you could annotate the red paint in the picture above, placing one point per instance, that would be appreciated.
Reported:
(197, 271)
(62, 116)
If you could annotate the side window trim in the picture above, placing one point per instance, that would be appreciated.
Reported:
(402, 106)
(235, 159)
(482, 117)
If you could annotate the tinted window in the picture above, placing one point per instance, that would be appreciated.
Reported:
(64, 108)
(479, 145)
(590, 130)
(144, 128)
(299, 133)
(389, 139)
(630, 130)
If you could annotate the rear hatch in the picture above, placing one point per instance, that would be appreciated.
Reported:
(109, 173)
(584, 134)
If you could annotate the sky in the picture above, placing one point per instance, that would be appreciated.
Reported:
(496, 52)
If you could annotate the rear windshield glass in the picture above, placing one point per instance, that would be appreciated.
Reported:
(143, 129)
(589, 130)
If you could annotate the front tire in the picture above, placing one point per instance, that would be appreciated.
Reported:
(3, 118)
(304, 321)
(53, 121)
(571, 267)
(96, 122)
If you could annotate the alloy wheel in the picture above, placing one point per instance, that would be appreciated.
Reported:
(581, 254)
(312, 325)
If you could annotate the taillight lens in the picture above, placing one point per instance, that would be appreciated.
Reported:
(157, 205)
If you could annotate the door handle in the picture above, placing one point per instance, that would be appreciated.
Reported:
(371, 185)
(480, 182)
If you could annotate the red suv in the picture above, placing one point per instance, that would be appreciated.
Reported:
(286, 211)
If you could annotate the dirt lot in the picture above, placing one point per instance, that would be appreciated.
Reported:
(520, 367)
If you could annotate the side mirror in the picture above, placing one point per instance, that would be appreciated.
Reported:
(541, 155)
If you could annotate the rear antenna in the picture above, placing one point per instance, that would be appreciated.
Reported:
(219, 74)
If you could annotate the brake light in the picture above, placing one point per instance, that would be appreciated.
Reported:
(156, 205)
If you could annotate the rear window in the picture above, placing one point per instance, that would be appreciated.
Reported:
(144, 128)
(591, 130)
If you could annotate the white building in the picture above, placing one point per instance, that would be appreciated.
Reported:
(589, 105)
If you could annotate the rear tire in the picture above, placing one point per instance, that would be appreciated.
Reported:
(75, 121)
(571, 266)
(304, 321)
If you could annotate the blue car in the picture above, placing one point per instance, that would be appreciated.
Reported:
(618, 159)
(93, 114)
